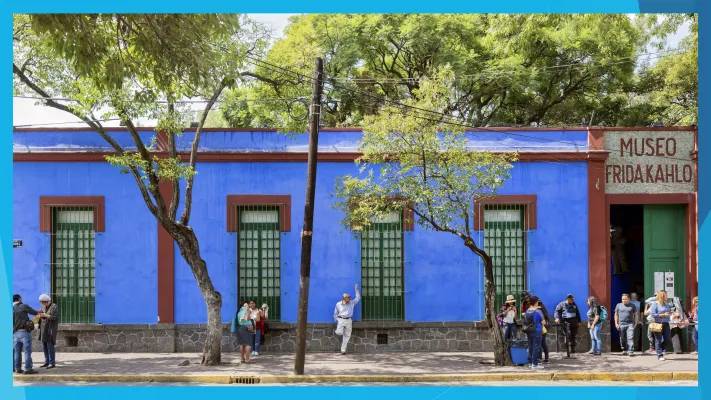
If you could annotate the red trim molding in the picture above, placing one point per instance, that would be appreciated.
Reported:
(216, 156)
(598, 234)
(166, 264)
(47, 202)
(529, 200)
(282, 201)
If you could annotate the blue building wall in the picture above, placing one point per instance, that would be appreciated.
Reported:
(126, 255)
(443, 280)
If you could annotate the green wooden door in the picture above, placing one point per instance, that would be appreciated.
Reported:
(664, 247)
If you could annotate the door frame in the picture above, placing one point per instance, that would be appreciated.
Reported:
(687, 199)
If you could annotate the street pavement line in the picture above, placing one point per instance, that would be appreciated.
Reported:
(404, 378)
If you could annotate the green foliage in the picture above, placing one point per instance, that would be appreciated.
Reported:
(510, 69)
(424, 165)
(133, 66)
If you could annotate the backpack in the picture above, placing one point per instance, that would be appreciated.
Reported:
(602, 314)
(527, 324)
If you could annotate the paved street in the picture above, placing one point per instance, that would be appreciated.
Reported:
(333, 364)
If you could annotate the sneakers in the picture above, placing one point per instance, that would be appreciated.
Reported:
(661, 358)
(630, 353)
(254, 353)
(591, 352)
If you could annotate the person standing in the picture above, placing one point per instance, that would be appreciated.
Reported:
(694, 319)
(48, 328)
(544, 333)
(245, 333)
(533, 326)
(626, 318)
(567, 313)
(634, 299)
(260, 329)
(343, 316)
(508, 318)
(594, 324)
(22, 327)
(661, 312)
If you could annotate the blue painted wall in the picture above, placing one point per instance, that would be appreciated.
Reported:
(443, 280)
(126, 255)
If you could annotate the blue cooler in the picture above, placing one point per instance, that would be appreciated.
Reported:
(519, 352)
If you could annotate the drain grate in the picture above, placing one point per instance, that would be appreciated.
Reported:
(245, 380)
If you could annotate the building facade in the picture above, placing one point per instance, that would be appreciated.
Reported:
(88, 238)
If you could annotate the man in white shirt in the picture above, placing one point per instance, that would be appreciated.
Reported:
(343, 315)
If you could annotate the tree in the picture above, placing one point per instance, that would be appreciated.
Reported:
(414, 161)
(134, 66)
(510, 69)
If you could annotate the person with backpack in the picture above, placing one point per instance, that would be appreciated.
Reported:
(22, 328)
(597, 314)
(533, 323)
(568, 315)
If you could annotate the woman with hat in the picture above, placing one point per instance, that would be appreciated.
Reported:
(48, 327)
(508, 318)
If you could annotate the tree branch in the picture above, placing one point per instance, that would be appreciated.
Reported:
(185, 218)
(95, 124)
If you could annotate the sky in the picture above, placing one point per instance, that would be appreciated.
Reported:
(26, 113)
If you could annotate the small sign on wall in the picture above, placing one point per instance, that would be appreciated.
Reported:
(664, 281)
(16, 243)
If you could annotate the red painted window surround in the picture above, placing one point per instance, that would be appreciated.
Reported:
(528, 200)
(46, 203)
(283, 202)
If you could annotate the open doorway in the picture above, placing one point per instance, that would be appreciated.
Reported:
(627, 256)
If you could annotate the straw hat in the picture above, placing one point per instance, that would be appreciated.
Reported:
(510, 299)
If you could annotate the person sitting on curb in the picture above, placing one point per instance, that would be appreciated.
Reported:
(343, 316)
(22, 327)
(567, 313)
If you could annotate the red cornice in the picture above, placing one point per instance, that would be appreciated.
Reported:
(284, 156)
(359, 129)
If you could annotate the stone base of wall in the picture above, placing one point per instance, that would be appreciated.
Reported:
(367, 337)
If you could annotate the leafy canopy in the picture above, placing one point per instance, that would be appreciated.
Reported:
(426, 165)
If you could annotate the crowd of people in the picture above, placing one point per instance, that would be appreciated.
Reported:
(664, 317)
(46, 321)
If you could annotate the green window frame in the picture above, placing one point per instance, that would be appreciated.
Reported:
(382, 260)
(505, 242)
(73, 263)
(259, 257)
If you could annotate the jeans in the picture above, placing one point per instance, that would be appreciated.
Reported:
(22, 342)
(661, 338)
(595, 338)
(48, 348)
(695, 336)
(627, 337)
(510, 331)
(534, 347)
(544, 346)
(257, 341)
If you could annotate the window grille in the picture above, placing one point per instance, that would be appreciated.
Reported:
(505, 242)
(73, 263)
(259, 257)
(382, 269)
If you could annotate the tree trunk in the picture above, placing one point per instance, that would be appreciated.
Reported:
(190, 250)
(501, 355)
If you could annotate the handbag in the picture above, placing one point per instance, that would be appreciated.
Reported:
(656, 327)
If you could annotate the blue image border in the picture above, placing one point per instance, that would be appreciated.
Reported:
(9, 392)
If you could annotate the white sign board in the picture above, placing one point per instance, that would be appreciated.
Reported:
(650, 162)
(669, 284)
(658, 281)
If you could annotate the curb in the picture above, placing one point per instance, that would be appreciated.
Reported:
(411, 378)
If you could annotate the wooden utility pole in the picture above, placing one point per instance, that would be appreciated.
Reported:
(307, 232)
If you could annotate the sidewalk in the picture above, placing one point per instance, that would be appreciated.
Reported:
(333, 367)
